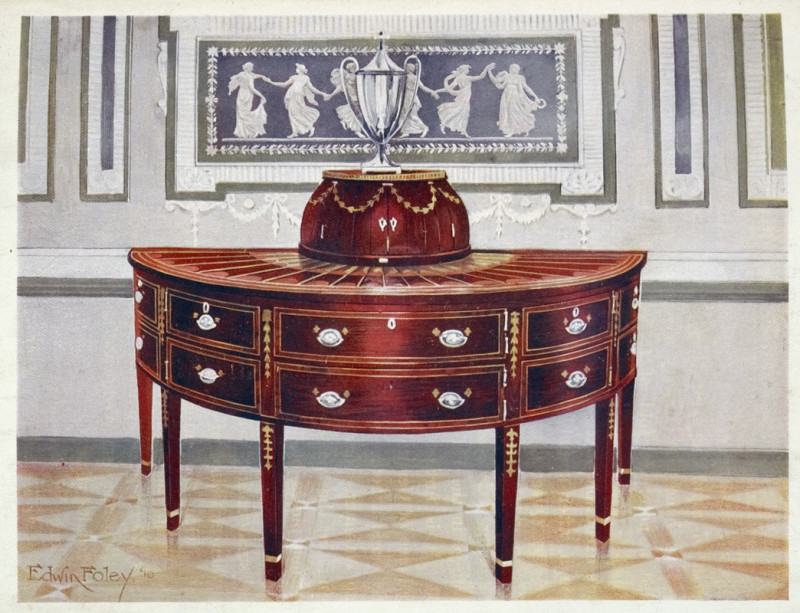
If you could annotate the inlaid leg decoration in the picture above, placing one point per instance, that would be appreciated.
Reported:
(145, 386)
(603, 467)
(506, 474)
(171, 424)
(625, 429)
(271, 445)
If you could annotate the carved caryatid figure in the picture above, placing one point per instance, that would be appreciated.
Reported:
(455, 115)
(413, 124)
(516, 108)
(300, 91)
(342, 79)
(250, 121)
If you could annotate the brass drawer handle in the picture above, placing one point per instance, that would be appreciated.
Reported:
(451, 400)
(331, 400)
(452, 338)
(330, 337)
(208, 375)
(205, 322)
(576, 326)
(576, 380)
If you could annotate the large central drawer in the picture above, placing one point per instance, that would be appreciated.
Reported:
(386, 396)
(449, 335)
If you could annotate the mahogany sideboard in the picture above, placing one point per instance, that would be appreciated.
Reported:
(493, 340)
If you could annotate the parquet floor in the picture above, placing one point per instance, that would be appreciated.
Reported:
(95, 532)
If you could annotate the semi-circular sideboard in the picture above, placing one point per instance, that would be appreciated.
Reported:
(493, 340)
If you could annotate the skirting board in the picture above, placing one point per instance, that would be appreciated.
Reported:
(429, 456)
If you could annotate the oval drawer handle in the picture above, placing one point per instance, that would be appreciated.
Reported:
(453, 338)
(450, 400)
(576, 380)
(208, 375)
(138, 296)
(576, 326)
(330, 337)
(330, 400)
(205, 322)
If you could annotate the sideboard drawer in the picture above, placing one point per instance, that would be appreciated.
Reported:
(221, 379)
(385, 396)
(217, 323)
(556, 383)
(145, 295)
(148, 350)
(565, 324)
(629, 307)
(389, 336)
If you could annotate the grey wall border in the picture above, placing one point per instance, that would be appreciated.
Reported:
(408, 456)
(652, 291)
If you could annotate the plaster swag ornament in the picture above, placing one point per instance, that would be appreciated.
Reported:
(246, 210)
(502, 207)
(584, 212)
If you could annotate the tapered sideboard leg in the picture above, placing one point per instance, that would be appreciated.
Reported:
(171, 424)
(625, 434)
(145, 386)
(603, 467)
(271, 444)
(506, 474)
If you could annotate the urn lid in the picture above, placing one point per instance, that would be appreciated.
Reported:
(381, 63)
(410, 218)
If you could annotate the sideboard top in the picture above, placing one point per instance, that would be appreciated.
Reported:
(286, 271)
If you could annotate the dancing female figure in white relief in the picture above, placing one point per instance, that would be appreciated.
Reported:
(516, 109)
(455, 115)
(341, 81)
(250, 122)
(413, 124)
(299, 90)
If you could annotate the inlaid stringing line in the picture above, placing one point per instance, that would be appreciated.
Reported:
(347, 273)
(291, 273)
(400, 276)
(322, 274)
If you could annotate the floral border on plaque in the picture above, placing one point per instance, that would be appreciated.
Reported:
(572, 158)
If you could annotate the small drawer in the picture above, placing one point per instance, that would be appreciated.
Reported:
(629, 306)
(389, 336)
(388, 396)
(145, 296)
(220, 379)
(567, 323)
(218, 323)
(565, 381)
(147, 350)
